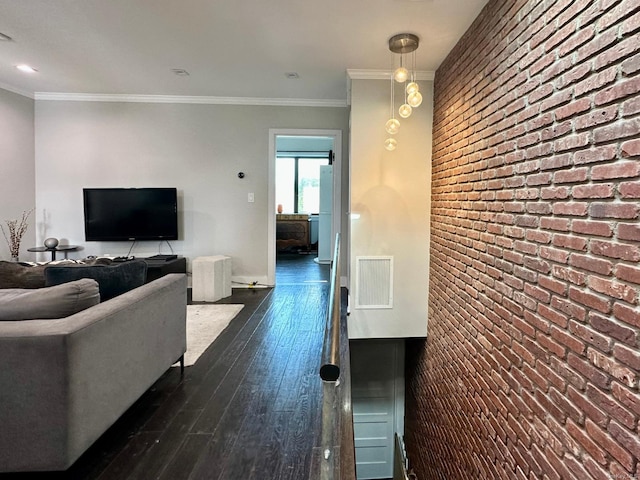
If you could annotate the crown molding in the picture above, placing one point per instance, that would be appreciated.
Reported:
(254, 101)
(357, 74)
(11, 89)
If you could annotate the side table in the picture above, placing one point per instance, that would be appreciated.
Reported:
(59, 248)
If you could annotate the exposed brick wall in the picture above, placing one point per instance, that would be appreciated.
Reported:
(531, 365)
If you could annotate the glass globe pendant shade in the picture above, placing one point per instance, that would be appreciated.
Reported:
(392, 126)
(412, 88)
(414, 99)
(401, 74)
(405, 110)
(390, 144)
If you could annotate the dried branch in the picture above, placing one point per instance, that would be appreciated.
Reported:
(17, 229)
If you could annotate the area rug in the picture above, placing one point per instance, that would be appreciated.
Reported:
(204, 324)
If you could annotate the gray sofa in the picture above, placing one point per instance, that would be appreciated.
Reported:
(63, 382)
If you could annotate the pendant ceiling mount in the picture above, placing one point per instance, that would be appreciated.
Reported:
(403, 43)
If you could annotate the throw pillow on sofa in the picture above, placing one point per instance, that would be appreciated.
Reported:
(17, 275)
(113, 280)
(52, 302)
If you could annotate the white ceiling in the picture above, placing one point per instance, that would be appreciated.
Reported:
(231, 48)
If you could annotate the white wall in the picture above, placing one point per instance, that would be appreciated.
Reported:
(17, 186)
(197, 148)
(390, 191)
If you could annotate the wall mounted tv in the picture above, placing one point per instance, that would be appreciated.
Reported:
(122, 214)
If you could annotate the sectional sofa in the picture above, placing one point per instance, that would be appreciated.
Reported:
(65, 381)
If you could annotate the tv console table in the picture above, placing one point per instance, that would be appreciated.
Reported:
(160, 268)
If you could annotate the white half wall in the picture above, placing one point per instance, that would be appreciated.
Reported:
(17, 167)
(199, 149)
(390, 208)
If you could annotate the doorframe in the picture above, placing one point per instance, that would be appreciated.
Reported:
(336, 217)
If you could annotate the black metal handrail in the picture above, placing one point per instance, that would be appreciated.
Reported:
(330, 367)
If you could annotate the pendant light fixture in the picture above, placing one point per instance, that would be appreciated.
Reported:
(402, 44)
(393, 125)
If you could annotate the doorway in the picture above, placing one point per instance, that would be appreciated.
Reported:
(300, 160)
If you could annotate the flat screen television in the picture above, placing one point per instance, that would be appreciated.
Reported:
(121, 214)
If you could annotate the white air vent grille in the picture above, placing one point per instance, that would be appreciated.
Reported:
(374, 282)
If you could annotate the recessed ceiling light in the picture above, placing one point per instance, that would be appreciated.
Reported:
(5, 38)
(180, 72)
(26, 68)
(292, 75)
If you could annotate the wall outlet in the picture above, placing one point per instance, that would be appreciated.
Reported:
(250, 197)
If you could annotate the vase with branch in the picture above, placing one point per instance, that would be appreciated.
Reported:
(16, 229)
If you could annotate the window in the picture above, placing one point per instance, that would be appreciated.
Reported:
(298, 183)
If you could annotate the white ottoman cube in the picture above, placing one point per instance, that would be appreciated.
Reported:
(211, 278)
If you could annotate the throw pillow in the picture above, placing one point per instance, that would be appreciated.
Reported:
(17, 275)
(113, 280)
(52, 302)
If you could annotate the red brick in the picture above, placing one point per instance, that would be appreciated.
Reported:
(616, 170)
(619, 90)
(578, 140)
(631, 107)
(616, 131)
(630, 357)
(571, 176)
(613, 289)
(578, 209)
(558, 224)
(612, 328)
(601, 190)
(550, 193)
(630, 148)
(631, 65)
(629, 189)
(591, 264)
(589, 300)
(627, 314)
(622, 251)
(553, 316)
(629, 231)
(628, 273)
(614, 210)
(573, 108)
(593, 155)
(589, 227)
(569, 275)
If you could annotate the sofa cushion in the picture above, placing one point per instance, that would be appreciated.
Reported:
(113, 280)
(51, 302)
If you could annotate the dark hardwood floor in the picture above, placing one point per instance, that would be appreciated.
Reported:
(248, 409)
